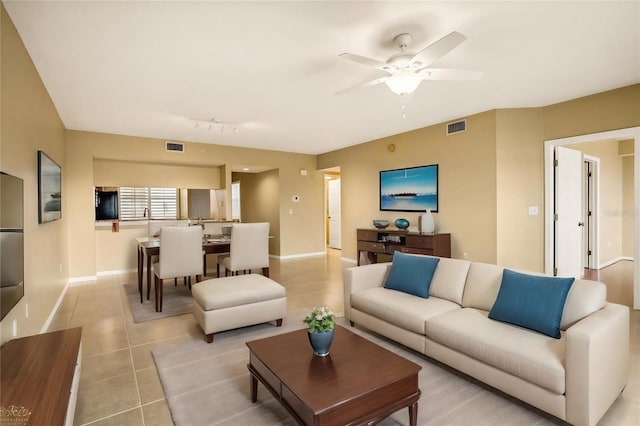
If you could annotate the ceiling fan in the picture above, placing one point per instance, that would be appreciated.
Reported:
(407, 69)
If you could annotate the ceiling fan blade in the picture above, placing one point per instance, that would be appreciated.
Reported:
(437, 49)
(367, 61)
(449, 74)
(362, 85)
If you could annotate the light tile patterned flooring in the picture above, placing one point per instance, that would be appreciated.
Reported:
(119, 384)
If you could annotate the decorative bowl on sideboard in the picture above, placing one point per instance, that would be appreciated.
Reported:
(401, 223)
(380, 224)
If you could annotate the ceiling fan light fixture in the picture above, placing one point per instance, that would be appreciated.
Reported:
(403, 82)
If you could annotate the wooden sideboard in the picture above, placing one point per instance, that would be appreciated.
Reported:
(383, 241)
(40, 378)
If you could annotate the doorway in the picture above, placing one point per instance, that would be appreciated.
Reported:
(333, 209)
(550, 197)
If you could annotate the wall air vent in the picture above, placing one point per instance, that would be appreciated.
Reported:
(456, 127)
(174, 146)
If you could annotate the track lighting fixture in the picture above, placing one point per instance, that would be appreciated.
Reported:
(214, 122)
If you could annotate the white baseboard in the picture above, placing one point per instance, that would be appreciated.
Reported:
(53, 312)
(79, 280)
(299, 256)
(115, 272)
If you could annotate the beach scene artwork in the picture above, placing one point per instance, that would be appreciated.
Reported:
(412, 189)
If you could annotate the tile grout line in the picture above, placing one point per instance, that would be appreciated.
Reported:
(126, 330)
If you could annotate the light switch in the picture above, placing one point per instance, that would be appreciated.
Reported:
(533, 210)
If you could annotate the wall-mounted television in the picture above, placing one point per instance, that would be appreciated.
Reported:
(11, 242)
(106, 203)
(49, 189)
(414, 189)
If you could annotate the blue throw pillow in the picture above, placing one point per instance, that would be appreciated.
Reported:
(534, 302)
(411, 273)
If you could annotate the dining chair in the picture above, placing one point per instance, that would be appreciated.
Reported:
(249, 249)
(180, 256)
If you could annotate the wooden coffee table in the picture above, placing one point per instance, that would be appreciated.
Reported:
(359, 382)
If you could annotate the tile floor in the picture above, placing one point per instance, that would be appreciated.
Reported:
(119, 384)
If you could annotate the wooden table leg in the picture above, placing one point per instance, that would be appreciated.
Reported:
(204, 266)
(413, 414)
(148, 275)
(140, 263)
(254, 387)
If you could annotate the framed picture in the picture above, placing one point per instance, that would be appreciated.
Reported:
(414, 189)
(49, 189)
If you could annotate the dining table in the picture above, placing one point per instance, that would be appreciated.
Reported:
(150, 246)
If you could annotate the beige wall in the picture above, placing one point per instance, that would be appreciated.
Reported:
(467, 183)
(130, 173)
(260, 202)
(615, 109)
(520, 183)
(30, 122)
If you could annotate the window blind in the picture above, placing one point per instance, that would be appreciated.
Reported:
(133, 202)
(164, 203)
(235, 200)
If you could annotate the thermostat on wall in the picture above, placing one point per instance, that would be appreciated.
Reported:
(295, 198)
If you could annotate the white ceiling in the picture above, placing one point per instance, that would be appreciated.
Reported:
(150, 68)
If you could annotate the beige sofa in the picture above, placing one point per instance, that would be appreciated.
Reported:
(575, 378)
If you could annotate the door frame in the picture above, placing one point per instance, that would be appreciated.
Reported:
(592, 229)
(549, 145)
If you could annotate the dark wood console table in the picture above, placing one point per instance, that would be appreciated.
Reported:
(376, 241)
(40, 378)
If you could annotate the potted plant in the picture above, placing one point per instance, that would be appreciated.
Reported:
(321, 325)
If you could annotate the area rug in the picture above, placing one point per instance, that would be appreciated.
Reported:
(208, 384)
(176, 300)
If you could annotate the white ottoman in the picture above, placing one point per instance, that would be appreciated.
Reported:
(221, 304)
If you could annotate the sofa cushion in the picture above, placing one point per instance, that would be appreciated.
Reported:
(399, 308)
(483, 283)
(449, 279)
(531, 301)
(584, 298)
(530, 356)
(411, 273)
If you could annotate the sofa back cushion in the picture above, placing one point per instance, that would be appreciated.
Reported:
(584, 298)
(449, 279)
(483, 284)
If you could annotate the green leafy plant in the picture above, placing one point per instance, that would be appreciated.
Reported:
(320, 320)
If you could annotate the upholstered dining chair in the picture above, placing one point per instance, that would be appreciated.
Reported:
(249, 249)
(180, 256)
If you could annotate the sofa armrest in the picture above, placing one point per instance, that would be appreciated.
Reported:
(359, 278)
(596, 364)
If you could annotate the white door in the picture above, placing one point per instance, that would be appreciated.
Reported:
(568, 212)
(333, 201)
